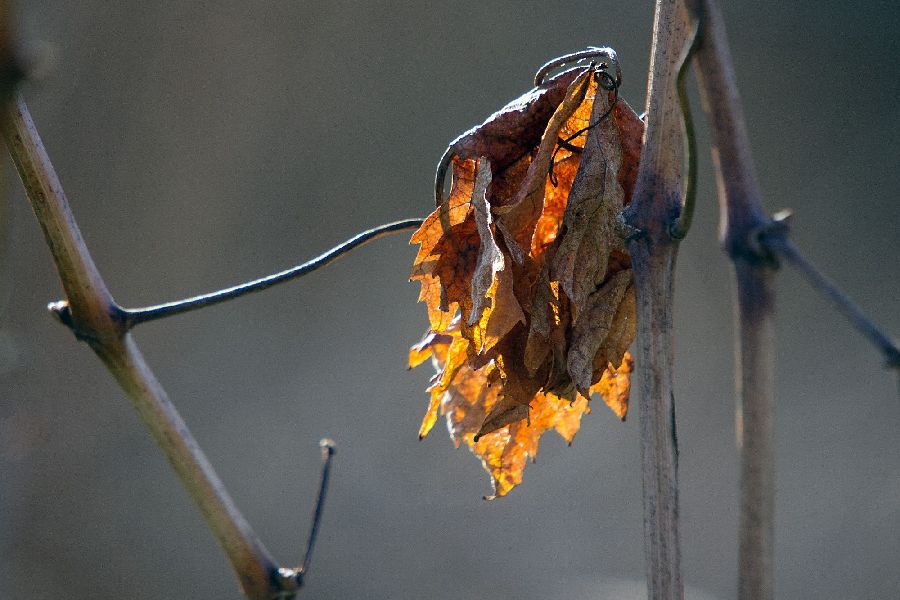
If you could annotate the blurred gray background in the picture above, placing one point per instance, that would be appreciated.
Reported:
(204, 143)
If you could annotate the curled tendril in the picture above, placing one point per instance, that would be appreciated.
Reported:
(608, 83)
(608, 55)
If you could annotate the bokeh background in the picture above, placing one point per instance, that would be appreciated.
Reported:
(204, 143)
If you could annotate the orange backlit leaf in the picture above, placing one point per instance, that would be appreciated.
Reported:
(512, 132)
(495, 309)
(615, 385)
(595, 199)
(592, 329)
(528, 288)
(519, 217)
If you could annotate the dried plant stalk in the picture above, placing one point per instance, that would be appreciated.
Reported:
(742, 220)
(657, 203)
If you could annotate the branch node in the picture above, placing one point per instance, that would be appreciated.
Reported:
(626, 230)
(60, 310)
(288, 582)
(677, 231)
(765, 241)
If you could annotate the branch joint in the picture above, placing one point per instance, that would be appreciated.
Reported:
(117, 317)
(762, 244)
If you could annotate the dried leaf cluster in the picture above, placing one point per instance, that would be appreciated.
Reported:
(527, 283)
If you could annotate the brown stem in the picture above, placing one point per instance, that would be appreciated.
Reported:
(96, 320)
(742, 217)
(655, 206)
(755, 424)
(81, 281)
(251, 561)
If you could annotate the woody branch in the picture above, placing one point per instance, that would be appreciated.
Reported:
(95, 318)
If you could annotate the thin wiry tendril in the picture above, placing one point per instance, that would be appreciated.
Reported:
(607, 82)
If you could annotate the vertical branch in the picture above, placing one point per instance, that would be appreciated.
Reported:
(755, 420)
(742, 221)
(654, 209)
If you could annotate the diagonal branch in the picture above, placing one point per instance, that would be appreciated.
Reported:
(129, 317)
(775, 240)
(94, 319)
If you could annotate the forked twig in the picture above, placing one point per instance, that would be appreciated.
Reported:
(753, 240)
(93, 315)
(93, 320)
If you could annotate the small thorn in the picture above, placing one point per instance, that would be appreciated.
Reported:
(60, 310)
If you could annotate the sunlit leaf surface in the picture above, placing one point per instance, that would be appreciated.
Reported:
(528, 286)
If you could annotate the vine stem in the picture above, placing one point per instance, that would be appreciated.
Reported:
(742, 218)
(652, 217)
(134, 316)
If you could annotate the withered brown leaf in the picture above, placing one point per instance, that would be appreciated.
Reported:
(510, 133)
(528, 289)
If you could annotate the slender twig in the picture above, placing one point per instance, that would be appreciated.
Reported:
(780, 245)
(135, 316)
(327, 454)
(742, 216)
(657, 200)
(291, 580)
